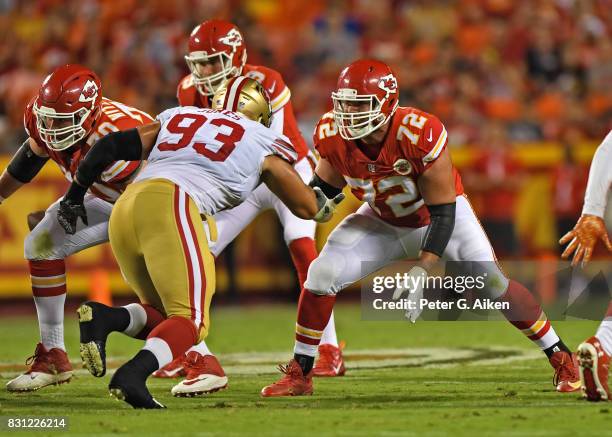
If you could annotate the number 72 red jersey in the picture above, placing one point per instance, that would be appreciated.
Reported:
(389, 182)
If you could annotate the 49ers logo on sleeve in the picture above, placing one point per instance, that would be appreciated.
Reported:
(232, 39)
(89, 93)
(388, 84)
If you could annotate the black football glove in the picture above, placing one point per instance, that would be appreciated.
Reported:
(68, 214)
(72, 207)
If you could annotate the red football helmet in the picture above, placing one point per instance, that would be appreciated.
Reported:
(216, 53)
(366, 97)
(68, 105)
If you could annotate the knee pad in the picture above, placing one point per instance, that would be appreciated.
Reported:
(38, 245)
(496, 283)
(322, 277)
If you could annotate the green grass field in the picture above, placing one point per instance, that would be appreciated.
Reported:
(431, 378)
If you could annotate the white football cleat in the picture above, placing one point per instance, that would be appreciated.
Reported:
(47, 367)
(204, 375)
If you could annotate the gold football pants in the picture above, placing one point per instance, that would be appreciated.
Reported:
(157, 237)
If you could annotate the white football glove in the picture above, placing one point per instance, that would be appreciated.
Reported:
(414, 295)
(326, 206)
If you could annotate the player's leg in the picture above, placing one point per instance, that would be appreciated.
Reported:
(299, 236)
(469, 242)
(137, 320)
(45, 248)
(358, 238)
(183, 278)
(153, 218)
(200, 367)
(594, 360)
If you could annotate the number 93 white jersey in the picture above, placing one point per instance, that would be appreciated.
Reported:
(215, 156)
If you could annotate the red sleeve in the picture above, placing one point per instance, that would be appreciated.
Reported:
(432, 141)
(185, 92)
(274, 84)
(29, 123)
(324, 131)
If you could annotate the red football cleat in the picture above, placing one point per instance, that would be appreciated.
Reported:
(594, 365)
(330, 362)
(566, 378)
(293, 383)
(174, 369)
(204, 375)
(47, 367)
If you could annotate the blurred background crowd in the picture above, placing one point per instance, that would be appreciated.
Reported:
(523, 86)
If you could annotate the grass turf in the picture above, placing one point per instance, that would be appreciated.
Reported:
(463, 378)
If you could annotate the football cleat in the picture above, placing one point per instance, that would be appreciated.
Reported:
(47, 367)
(94, 331)
(174, 369)
(330, 361)
(594, 364)
(204, 375)
(293, 383)
(566, 378)
(128, 385)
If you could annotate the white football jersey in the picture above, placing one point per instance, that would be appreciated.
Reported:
(215, 156)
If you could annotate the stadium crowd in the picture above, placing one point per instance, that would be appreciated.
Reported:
(497, 72)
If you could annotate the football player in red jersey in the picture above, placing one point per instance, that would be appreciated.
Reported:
(216, 53)
(396, 160)
(594, 353)
(63, 121)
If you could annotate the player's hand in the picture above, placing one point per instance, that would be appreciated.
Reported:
(414, 294)
(327, 207)
(583, 237)
(68, 213)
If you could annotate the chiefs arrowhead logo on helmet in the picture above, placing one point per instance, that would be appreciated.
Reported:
(89, 93)
(388, 83)
(233, 38)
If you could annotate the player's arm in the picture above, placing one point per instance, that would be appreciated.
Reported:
(590, 226)
(24, 166)
(437, 187)
(327, 178)
(129, 145)
(304, 202)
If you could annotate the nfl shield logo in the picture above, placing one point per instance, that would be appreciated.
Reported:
(372, 168)
(402, 166)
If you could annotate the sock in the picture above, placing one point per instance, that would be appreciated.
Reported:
(171, 339)
(557, 347)
(526, 314)
(144, 363)
(49, 288)
(50, 312)
(314, 311)
(303, 251)
(329, 333)
(604, 332)
(117, 318)
(143, 319)
(201, 348)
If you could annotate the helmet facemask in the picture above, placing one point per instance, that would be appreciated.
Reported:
(357, 115)
(209, 84)
(60, 130)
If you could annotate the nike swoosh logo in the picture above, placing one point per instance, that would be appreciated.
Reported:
(430, 136)
(337, 368)
(173, 371)
(271, 89)
(194, 380)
